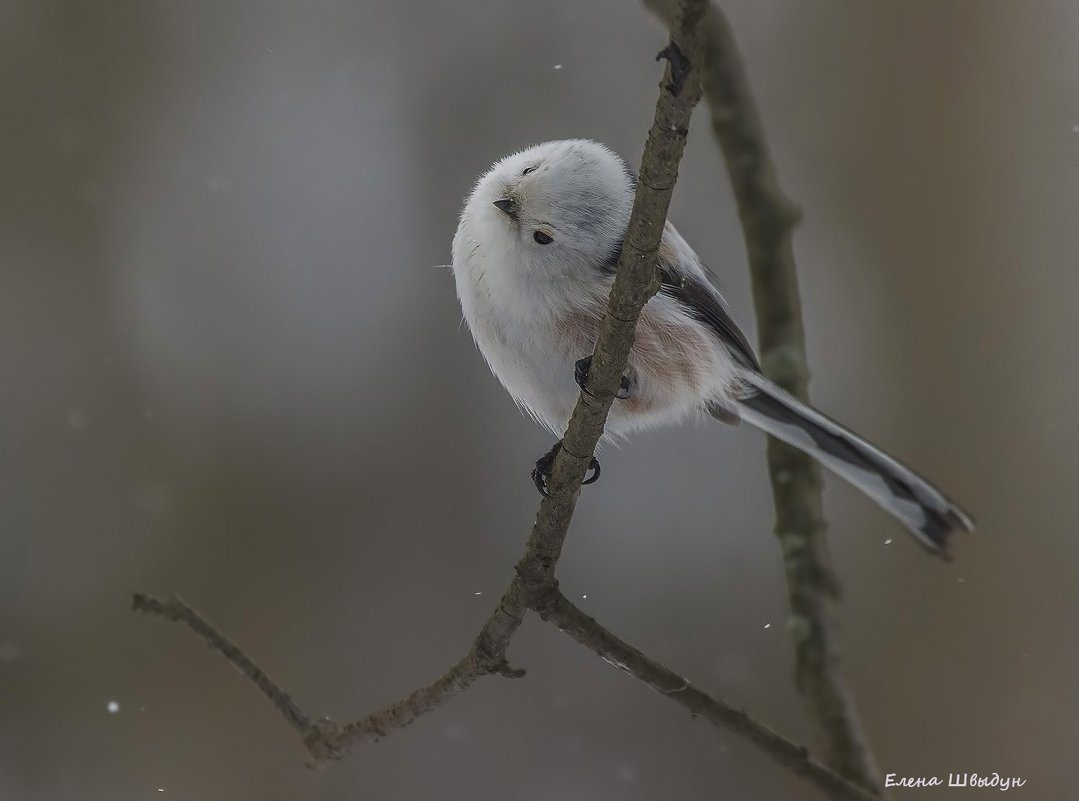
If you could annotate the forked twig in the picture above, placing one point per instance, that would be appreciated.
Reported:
(534, 586)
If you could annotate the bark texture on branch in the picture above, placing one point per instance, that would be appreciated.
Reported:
(534, 587)
(534, 584)
(768, 219)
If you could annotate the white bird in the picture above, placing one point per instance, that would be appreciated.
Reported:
(534, 259)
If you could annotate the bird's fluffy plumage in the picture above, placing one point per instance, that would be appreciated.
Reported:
(534, 259)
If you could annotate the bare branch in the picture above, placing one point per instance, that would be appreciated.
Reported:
(324, 738)
(635, 282)
(534, 582)
(177, 611)
(768, 219)
(487, 656)
(534, 586)
(589, 633)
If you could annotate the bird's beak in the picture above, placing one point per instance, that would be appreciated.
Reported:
(507, 205)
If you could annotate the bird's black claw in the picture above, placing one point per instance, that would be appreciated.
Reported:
(593, 466)
(542, 471)
(540, 480)
(680, 66)
(580, 372)
(626, 388)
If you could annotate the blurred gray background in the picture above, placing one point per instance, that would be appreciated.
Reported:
(221, 225)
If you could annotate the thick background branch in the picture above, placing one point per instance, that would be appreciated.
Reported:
(768, 218)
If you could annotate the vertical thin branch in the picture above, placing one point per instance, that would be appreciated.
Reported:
(635, 282)
(534, 583)
(534, 586)
(768, 218)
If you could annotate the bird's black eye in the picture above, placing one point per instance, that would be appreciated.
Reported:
(542, 237)
(529, 169)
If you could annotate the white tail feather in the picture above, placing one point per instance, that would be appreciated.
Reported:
(922, 508)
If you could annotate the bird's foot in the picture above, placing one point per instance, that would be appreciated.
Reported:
(626, 389)
(542, 471)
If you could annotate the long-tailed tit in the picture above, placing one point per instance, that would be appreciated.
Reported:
(534, 259)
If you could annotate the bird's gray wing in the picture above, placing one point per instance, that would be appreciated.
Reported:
(684, 279)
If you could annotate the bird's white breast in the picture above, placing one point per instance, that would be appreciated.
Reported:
(513, 319)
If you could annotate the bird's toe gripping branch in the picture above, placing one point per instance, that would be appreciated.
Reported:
(542, 471)
(626, 389)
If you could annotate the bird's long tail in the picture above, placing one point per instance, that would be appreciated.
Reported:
(916, 503)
